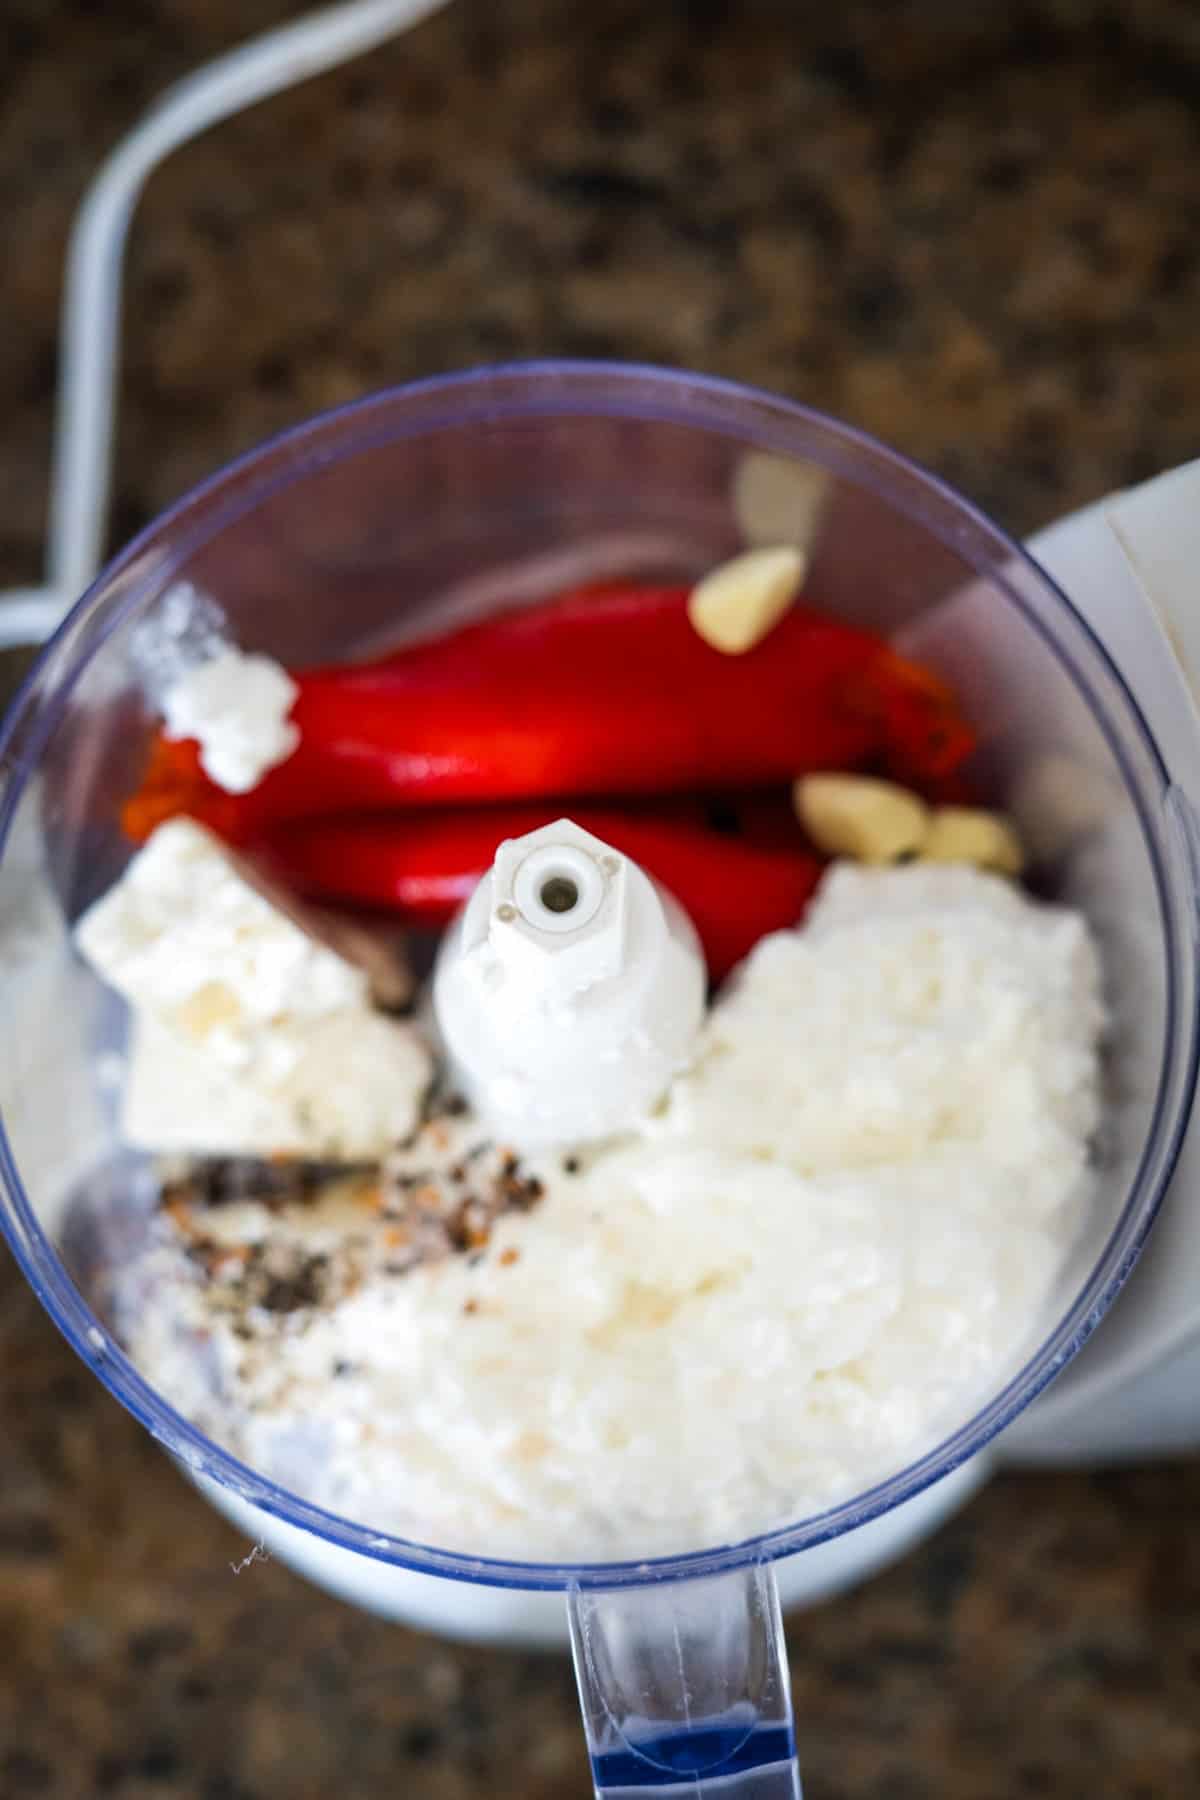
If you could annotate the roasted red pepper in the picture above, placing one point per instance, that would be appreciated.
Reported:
(173, 782)
(423, 865)
(606, 690)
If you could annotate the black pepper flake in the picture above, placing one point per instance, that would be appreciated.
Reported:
(450, 1202)
(289, 1293)
(413, 1178)
(428, 1202)
(571, 1165)
(273, 1182)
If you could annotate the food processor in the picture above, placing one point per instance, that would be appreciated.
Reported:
(436, 502)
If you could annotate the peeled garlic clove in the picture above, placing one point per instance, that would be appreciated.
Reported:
(1059, 800)
(735, 606)
(859, 816)
(964, 834)
(780, 499)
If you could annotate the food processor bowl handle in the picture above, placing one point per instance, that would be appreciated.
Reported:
(684, 1688)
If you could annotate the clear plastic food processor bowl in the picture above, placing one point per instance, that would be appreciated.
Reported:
(437, 502)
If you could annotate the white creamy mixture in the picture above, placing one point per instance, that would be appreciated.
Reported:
(834, 1237)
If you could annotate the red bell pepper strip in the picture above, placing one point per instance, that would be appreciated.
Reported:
(172, 783)
(767, 817)
(175, 783)
(422, 866)
(605, 690)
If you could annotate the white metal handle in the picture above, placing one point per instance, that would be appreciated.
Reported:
(91, 310)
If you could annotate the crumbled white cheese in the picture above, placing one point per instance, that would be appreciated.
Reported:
(841, 1233)
(236, 707)
(177, 1099)
(351, 1093)
(921, 1010)
(236, 984)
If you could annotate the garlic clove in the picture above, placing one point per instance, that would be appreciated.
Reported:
(859, 816)
(965, 834)
(736, 605)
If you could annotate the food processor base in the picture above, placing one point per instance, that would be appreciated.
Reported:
(1133, 1392)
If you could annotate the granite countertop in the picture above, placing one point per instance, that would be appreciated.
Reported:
(973, 230)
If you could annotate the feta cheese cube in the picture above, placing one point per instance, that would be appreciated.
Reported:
(231, 984)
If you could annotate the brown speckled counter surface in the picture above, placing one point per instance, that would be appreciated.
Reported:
(973, 230)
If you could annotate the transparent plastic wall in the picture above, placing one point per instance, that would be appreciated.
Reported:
(439, 503)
